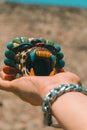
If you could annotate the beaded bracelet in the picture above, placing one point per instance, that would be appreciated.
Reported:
(34, 56)
(53, 95)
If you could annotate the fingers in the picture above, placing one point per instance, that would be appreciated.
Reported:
(5, 76)
(8, 73)
(9, 70)
(5, 85)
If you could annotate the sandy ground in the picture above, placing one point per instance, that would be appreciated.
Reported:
(65, 26)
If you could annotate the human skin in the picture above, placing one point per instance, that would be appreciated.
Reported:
(69, 109)
(38, 86)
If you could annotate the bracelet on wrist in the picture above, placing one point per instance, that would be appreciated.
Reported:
(49, 99)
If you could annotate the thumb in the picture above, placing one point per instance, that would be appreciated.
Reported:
(4, 84)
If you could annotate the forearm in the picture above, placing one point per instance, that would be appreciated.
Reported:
(70, 110)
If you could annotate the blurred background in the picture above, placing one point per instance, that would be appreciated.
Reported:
(66, 26)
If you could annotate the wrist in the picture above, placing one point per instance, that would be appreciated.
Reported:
(70, 110)
(54, 95)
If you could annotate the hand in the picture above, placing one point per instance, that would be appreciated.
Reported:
(32, 89)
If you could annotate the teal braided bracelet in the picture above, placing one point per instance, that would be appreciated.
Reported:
(53, 95)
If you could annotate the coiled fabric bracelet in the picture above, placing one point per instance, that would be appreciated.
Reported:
(53, 95)
(34, 56)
